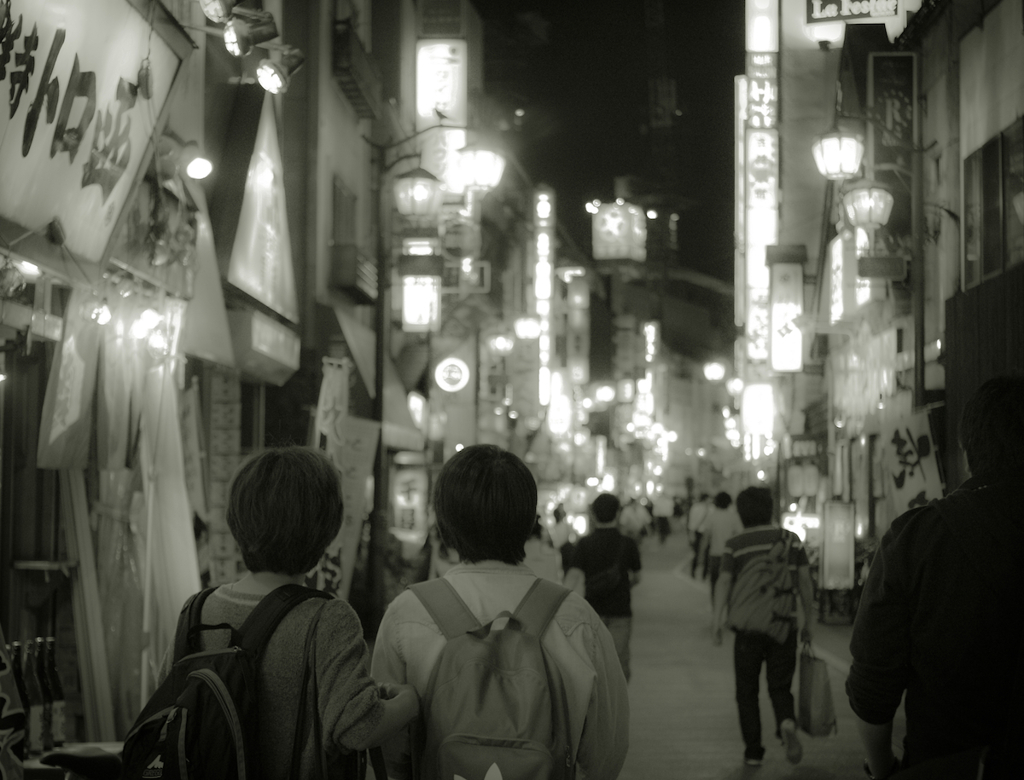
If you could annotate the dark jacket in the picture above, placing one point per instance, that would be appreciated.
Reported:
(940, 618)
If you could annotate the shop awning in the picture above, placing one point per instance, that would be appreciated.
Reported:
(205, 333)
(399, 430)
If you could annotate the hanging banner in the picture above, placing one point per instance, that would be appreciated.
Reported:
(910, 461)
(892, 101)
(353, 452)
(86, 83)
(66, 427)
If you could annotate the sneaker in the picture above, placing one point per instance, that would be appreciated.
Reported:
(753, 761)
(794, 750)
(753, 757)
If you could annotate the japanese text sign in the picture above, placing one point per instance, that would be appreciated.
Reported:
(86, 82)
(911, 468)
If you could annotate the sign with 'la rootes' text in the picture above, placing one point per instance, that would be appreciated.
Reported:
(819, 11)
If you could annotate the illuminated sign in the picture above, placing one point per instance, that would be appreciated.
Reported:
(560, 409)
(261, 258)
(758, 409)
(543, 282)
(823, 11)
(787, 303)
(451, 375)
(762, 25)
(421, 303)
(441, 83)
(440, 156)
(86, 84)
(619, 232)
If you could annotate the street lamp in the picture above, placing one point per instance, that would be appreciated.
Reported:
(868, 204)
(481, 167)
(418, 194)
(838, 154)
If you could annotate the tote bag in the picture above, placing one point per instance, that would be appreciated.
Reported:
(816, 714)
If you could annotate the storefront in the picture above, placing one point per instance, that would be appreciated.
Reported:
(100, 258)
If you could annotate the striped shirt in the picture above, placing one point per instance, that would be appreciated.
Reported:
(740, 549)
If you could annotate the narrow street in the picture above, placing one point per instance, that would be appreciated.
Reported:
(683, 721)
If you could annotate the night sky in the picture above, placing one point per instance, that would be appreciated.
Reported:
(580, 68)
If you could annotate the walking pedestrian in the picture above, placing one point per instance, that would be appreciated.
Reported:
(941, 616)
(696, 523)
(763, 568)
(664, 506)
(608, 562)
(485, 499)
(721, 525)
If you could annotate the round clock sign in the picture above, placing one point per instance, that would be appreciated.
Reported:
(451, 374)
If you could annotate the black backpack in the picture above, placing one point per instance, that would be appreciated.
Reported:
(203, 720)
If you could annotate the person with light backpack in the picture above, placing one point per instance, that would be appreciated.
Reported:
(268, 679)
(764, 569)
(518, 677)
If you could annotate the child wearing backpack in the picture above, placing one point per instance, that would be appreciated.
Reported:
(518, 677)
(312, 706)
(764, 568)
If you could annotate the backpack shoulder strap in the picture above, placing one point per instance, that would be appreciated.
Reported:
(539, 605)
(263, 620)
(190, 616)
(446, 607)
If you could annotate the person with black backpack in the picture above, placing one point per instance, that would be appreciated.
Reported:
(269, 679)
(607, 562)
(517, 675)
(764, 569)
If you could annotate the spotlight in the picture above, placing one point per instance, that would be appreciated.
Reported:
(241, 34)
(196, 166)
(274, 76)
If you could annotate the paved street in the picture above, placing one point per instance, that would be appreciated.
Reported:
(684, 722)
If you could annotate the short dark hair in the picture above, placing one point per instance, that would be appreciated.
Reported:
(755, 506)
(704, 496)
(606, 507)
(723, 500)
(992, 428)
(485, 499)
(284, 508)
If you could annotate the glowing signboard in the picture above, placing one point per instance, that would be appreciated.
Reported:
(543, 282)
(825, 11)
(619, 232)
(787, 303)
(441, 83)
(451, 374)
(762, 25)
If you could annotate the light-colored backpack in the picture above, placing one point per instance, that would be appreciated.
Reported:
(763, 596)
(495, 707)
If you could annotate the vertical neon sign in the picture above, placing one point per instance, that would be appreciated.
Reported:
(543, 281)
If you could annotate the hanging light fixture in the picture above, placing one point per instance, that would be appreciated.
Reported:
(421, 292)
(244, 31)
(418, 193)
(481, 166)
(273, 76)
(868, 204)
(838, 153)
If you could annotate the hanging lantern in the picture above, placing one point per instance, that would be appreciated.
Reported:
(481, 167)
(418, 193)
(838, 154)
(868, 204)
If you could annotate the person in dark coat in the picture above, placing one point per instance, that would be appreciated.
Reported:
(941, 616)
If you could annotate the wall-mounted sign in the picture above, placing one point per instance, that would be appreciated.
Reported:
(823, 11)
(787, 303)
(441, 83)
(263, 346)
(451, 374)
(86, 82)
(261, 258)
(543, 282)
(439, 154)
(892, 98)
(762, 25)
(619, 232)
(911, 465)
(409, 499)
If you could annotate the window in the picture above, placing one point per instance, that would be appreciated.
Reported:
(972, 220)
(1013, 193)
(344, 228)
(987, 236)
